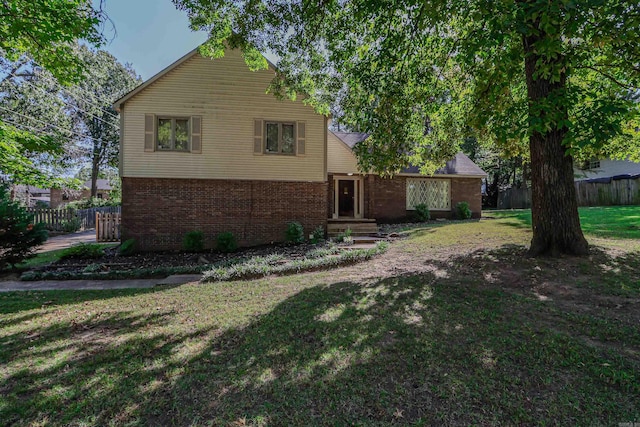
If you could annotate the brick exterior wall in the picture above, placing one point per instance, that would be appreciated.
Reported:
(157, 212)
(386, 198)
(57, 200)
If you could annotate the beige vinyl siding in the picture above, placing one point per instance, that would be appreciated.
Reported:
(228, 97)
(340, 158)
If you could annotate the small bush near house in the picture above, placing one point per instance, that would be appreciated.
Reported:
(463, 211)
(345, 237)
(295, 232)
(193, 241)
(84, 251)
(317, 235)
(72, 225)
(18, 235)
(422, 212)
(226, 242)
(128, 247)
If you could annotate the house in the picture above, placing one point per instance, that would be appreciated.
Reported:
(30, 196)
(204, 147)
(62, 196)
(605, 168)
(353, 193)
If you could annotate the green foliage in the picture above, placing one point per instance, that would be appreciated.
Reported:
(294, 232)
(128, 247)
(317, 235)
(18, 235)
(265, 266)
(83, 251)
(226, 242)
(92, 202)
(193, 241)
(71, 225)
(422, 212)
(463, 211)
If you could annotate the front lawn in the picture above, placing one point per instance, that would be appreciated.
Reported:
(453, 325)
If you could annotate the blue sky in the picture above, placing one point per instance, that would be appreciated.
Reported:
(150, 34)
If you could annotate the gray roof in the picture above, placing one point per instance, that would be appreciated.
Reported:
(351, 138)
(101, 184)
(459, 165)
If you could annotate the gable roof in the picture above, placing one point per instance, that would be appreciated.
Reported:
(460, 165)
(118, 103)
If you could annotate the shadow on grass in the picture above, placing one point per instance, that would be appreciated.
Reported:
(468, 342)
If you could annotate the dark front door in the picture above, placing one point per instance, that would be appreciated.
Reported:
(346, 198)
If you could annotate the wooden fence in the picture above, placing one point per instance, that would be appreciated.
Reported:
(70, 220)
(588, 193)
(54, 219)
(108, 227)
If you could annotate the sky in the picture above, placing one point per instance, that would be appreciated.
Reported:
(149, 34)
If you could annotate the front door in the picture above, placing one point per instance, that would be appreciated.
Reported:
(346, 198)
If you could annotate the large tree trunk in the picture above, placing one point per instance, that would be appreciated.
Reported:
(554, 209)
(95, 170)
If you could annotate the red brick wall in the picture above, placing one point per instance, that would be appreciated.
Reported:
(157, 212)
(386, 198)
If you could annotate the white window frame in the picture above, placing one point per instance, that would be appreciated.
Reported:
(422, 188)
(173, 134)
(280, 137)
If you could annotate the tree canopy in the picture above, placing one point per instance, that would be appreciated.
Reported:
(38, 38)
(559, 77)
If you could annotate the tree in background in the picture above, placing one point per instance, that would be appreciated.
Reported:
(560, 76)
(42, 32)
(91, 108)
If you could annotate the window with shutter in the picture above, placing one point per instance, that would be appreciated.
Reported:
(175, 134)
(279, 138)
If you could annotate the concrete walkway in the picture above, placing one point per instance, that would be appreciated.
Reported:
(66, 240)
(80, 285)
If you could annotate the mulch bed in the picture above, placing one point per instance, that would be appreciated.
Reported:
(112, 260)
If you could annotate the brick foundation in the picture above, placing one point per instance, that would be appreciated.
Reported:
(157, 212)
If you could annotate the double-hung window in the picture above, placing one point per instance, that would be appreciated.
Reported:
(280, 137)
(173, 134)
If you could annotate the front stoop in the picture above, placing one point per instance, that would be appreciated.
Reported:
(361, 227)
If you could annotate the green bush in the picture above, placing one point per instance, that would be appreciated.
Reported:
(71, 225)
(317, 235)
(83, 251)
(226, 242)
(193, 241)
(295, 232)
(463, 211)
(128, 247)
(19, 236)
(92, 202)
(422, 212)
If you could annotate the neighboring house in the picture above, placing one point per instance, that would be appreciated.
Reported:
(31, 196)
(204, 147)
(62, 196)
(354, 194)
(605, 168)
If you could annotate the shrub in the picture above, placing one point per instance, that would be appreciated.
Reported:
(226, 242)
(84, 251)
(317, 235)
(18, 235)
(72, 225)
(422, 212)
(128, 247)
(295, 232)
(345, 237)
(193, 241)
(463, 211)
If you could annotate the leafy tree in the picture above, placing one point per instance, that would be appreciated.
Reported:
(91, 108)
(19, 236)
(44, 31)
(559, 76)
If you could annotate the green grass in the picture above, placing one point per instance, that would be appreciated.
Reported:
(613, 222)
(41, 259)
(453, 325)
